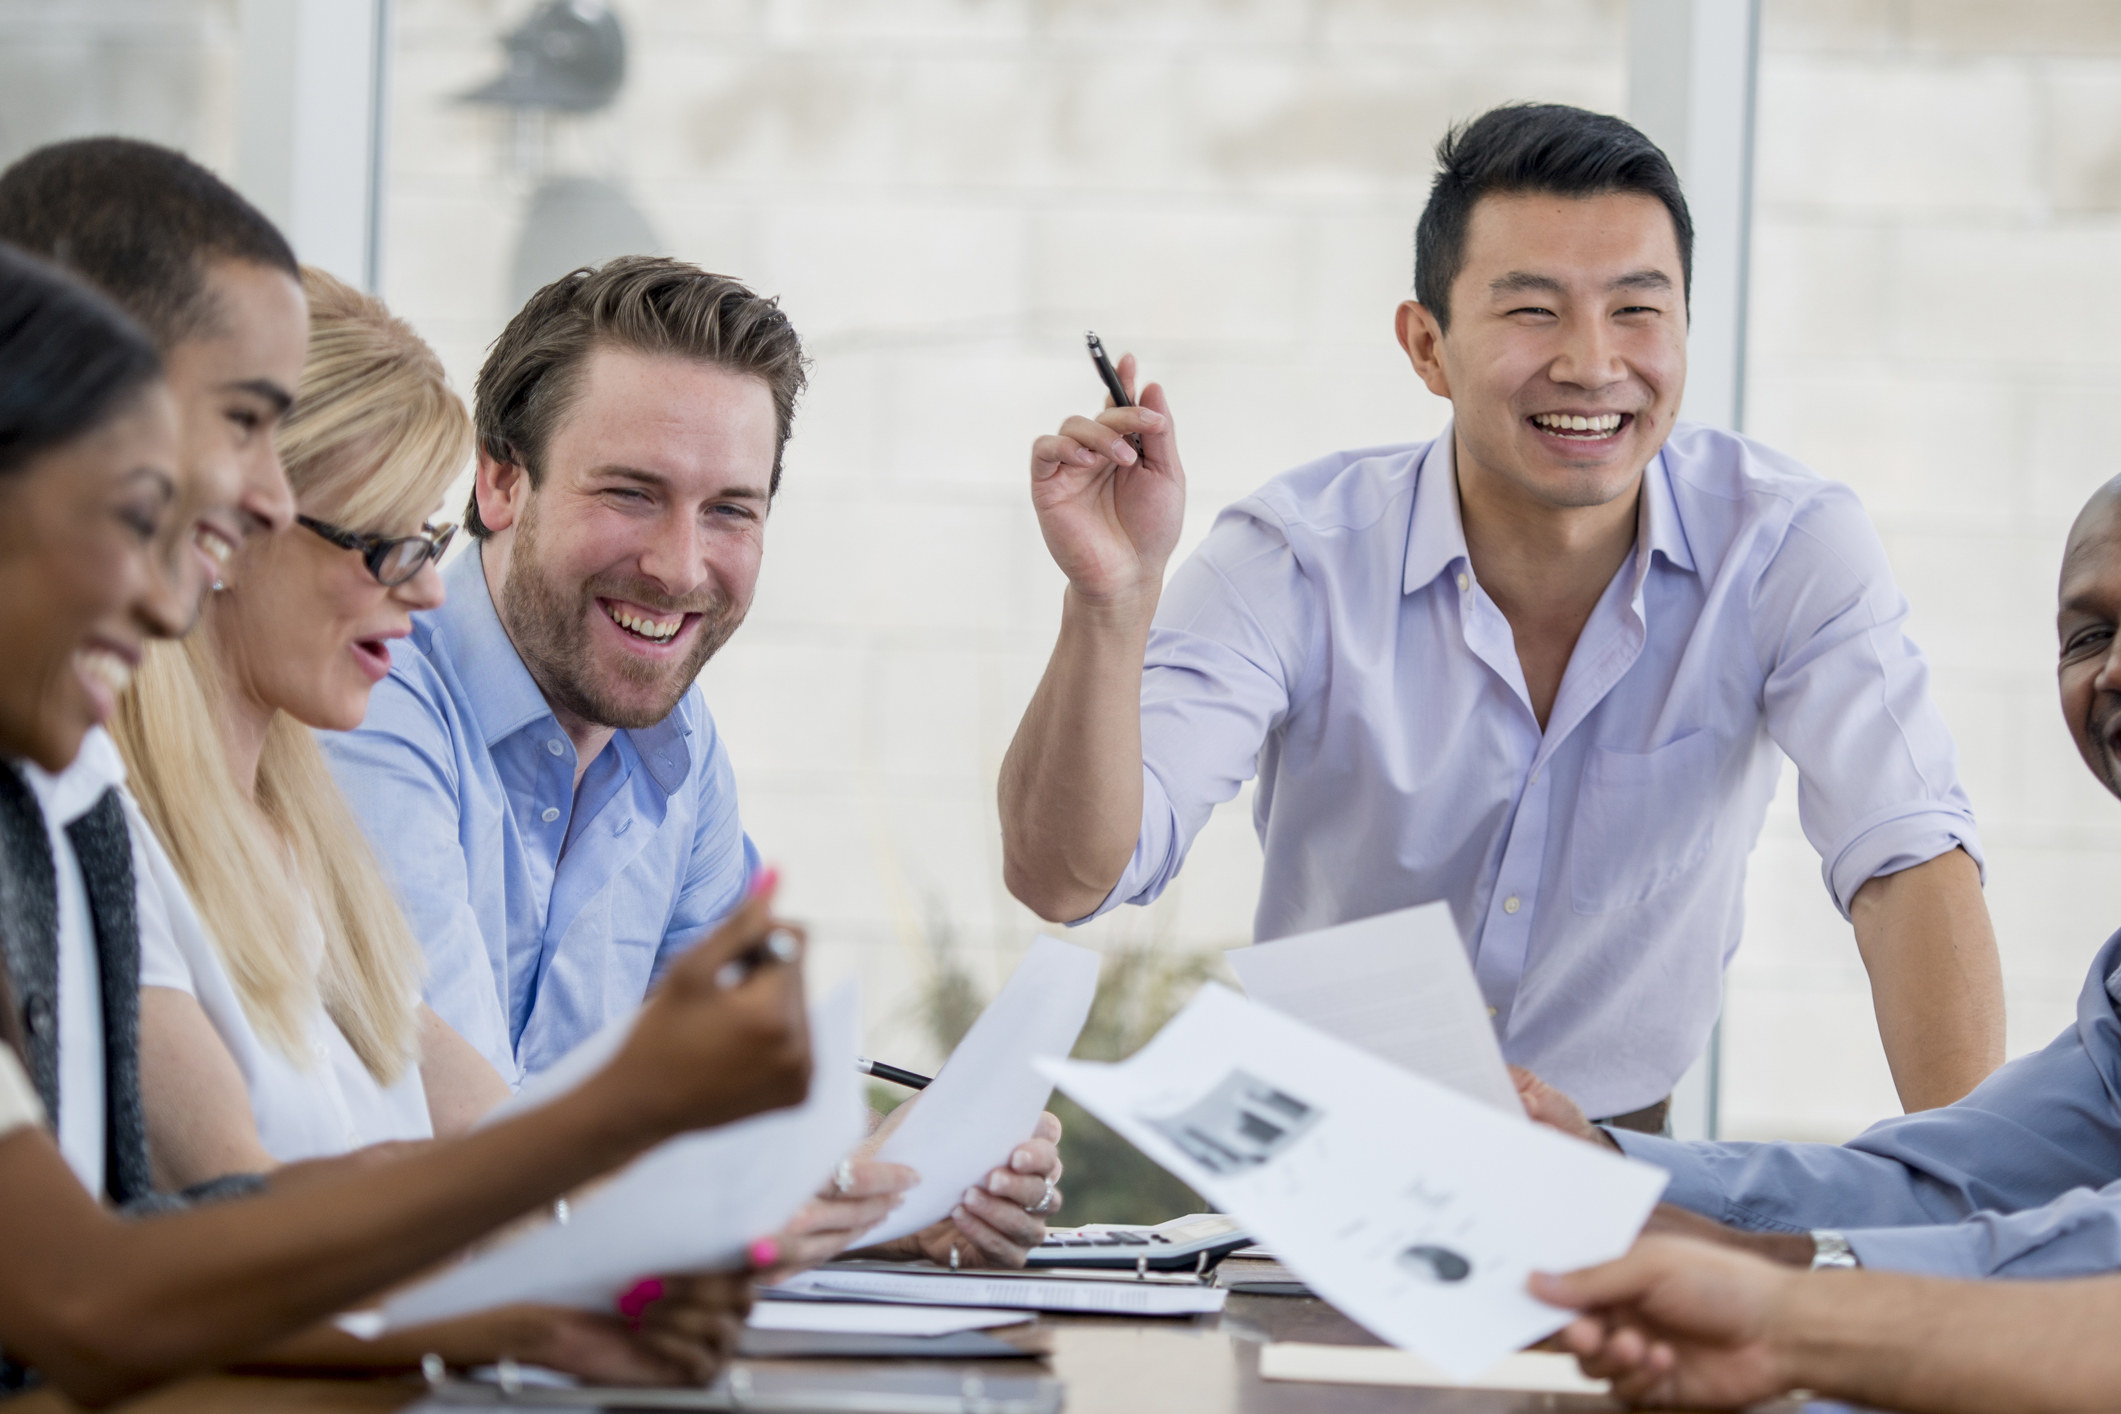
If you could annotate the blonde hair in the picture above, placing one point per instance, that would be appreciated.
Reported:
(374, 439)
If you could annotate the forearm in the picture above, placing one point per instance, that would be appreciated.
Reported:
(1071, 788)
(1925, 937)
(105, 1308)
(1939, 1347)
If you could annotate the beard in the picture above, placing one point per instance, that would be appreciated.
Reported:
(549, 622)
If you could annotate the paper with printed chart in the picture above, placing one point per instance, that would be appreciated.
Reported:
(1397, 985)
(1418, 1212)
(987, 1098)
(693, 1203)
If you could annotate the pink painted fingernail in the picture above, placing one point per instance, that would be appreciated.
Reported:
(636, 1299)
(764, 880)
(765, 1252)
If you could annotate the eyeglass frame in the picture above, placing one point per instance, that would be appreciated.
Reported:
(375, 550)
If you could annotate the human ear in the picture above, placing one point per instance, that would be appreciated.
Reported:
(1422, 337)
(501, 488)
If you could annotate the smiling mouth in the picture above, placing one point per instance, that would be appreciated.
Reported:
(1582, 427)
(640, 623)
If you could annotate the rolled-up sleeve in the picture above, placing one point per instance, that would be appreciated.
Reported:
(1224, 659)
(2079, 1234)
(1847, 698)
(2017, 1179)
(398, 771)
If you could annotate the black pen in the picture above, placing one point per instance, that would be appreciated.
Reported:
(910, 1079)
(1118, 390)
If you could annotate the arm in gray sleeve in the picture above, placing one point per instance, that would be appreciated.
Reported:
(2044, 1125)
(2079, 1234)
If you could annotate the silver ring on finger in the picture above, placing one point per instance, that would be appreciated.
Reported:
(1045, 1200)
(843, 1177)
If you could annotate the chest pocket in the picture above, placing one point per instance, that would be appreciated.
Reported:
(1643, 820)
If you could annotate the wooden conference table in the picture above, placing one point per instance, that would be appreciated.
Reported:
(1111, 1365)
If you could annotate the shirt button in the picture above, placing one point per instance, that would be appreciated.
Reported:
(1535, 778)
(1510, 904)
(555, 748)
(551, 813)
(1464, 581)
(1491, 1011)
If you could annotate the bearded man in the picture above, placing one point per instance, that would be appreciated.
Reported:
(539, 771)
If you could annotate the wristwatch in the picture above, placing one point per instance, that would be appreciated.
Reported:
(1831, 1249)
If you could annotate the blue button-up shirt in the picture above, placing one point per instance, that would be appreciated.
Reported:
(545, 909)
(1331, 636)
(2022, 1178)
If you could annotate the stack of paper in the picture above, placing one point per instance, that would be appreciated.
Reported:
(1532, 1370)
(876, 1318)
(1119, 1294)
(1415, 1210)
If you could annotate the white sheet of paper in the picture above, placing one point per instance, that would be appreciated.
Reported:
(1418, 1212)
(1536, 1371)
(1399, 986)
(876, 1318)
(693, 1203)
(988, 1096)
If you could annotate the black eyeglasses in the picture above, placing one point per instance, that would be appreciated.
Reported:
(391, 559)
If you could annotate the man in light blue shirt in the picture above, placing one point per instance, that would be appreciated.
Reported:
(2022, 1178)
(1543, 667)
(537, 770)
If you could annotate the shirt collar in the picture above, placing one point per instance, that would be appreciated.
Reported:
(1659, 527)
(73, 792)
(1437, 538)
(501, 690)
(504, 696)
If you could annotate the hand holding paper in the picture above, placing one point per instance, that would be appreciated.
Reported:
(693, 1203)
(988, 1097)
(1418, 1212)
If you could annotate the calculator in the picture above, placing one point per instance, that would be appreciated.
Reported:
(1191, 1243)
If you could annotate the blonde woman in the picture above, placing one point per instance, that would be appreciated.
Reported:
(281, 1020)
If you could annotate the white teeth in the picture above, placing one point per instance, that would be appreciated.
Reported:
(1567, 422)
(106, 668)
(215, 545)
(645, 627)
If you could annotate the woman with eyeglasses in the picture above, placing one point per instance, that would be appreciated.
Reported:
(282, 1019)
(280, 1011)
(95, 513)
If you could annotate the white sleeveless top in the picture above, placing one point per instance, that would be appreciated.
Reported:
(325, 1106)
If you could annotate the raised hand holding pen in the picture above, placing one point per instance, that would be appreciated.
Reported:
(1111, 515)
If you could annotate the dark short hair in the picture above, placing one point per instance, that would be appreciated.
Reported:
(1535, 147)
(645, 303)
(69, 359)
(141, 223)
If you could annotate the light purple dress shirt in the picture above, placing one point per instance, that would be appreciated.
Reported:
(1331, 637)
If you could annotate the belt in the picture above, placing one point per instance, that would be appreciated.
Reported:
(1650, 1119)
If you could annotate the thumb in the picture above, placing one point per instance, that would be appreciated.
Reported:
(1160, 444)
